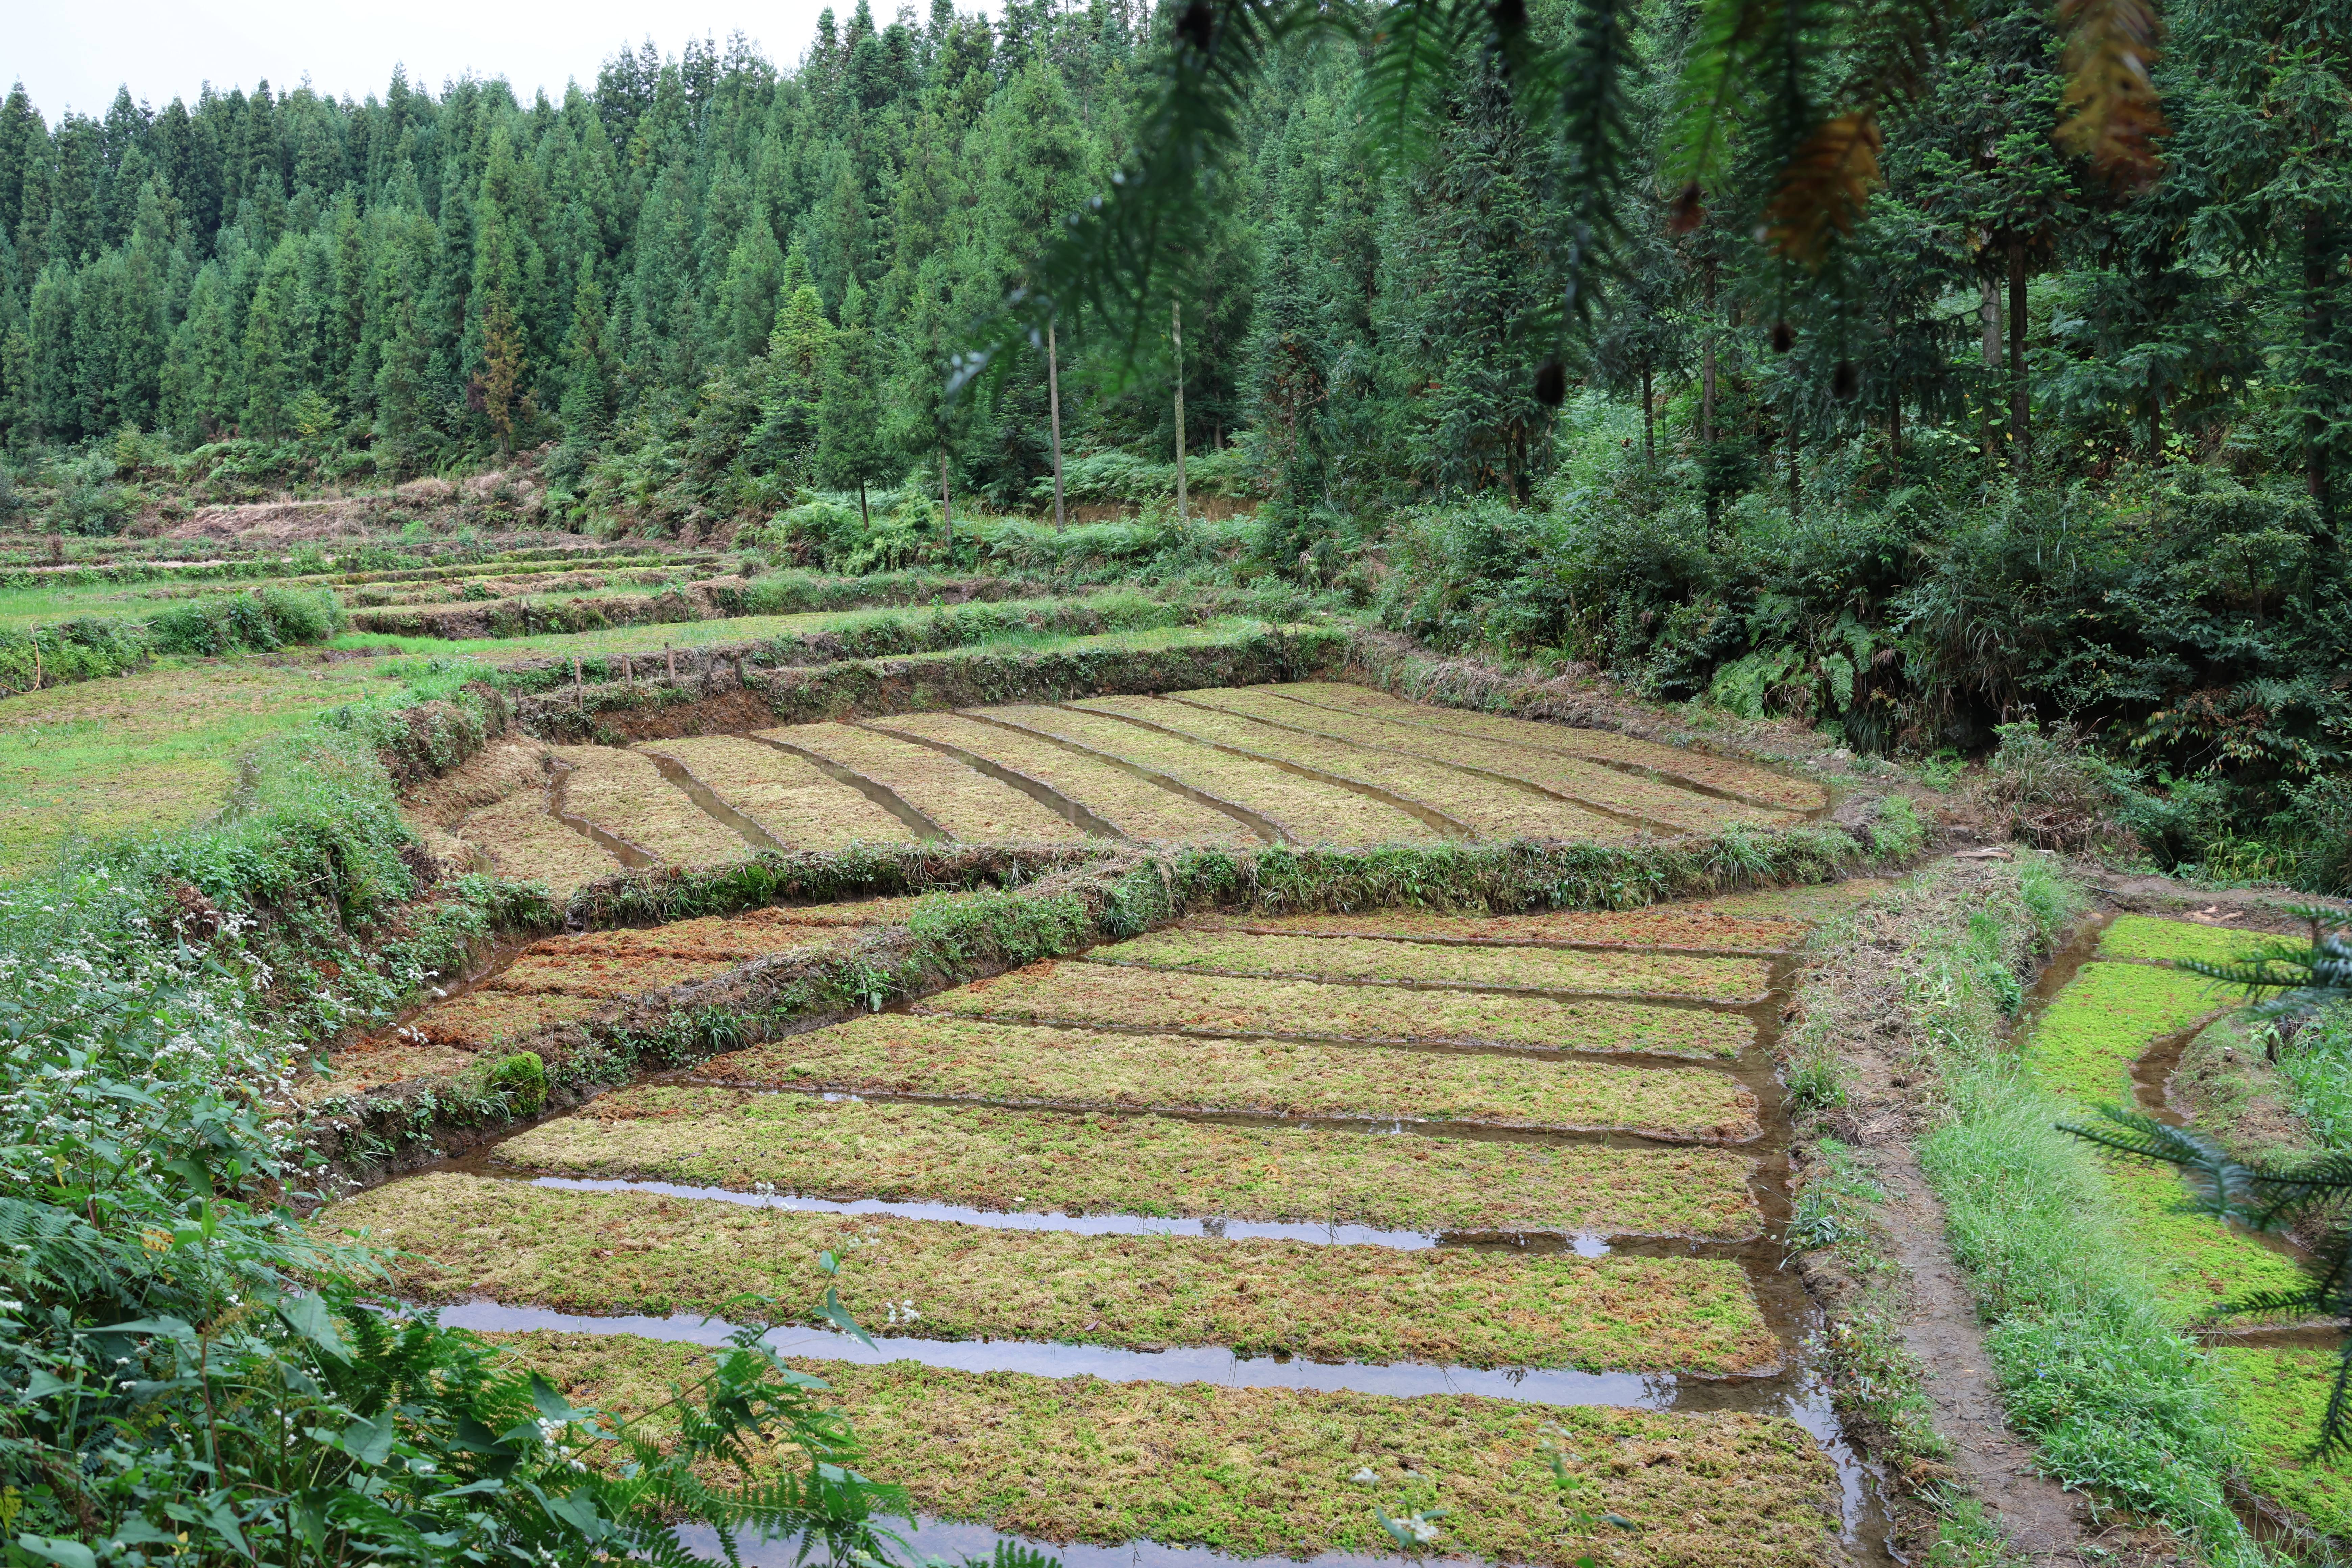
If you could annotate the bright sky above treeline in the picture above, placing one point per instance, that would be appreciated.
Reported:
(78, 55)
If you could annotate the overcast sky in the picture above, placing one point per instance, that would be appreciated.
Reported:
(68, 54)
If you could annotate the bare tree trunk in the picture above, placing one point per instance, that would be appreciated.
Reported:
(864, 516)
(2316, 327)
(1054, 396)
(2155, 419)
(1989, 319)
(1895, 422)
(2020, 429)
(1796, 469)
(1707, 392)
(947, 511)
(1176, 336)
(1649, 420)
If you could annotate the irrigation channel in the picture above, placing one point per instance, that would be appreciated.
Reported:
(1790, 1387)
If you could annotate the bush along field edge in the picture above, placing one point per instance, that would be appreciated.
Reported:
(1903, 1075)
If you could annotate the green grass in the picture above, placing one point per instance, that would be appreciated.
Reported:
(154, 752)
(2319, 1064)
(2140, 936)
(612, 1253)
(1084, 995)
(994, 1158)
(1256, 1472)
(971, 1060)
(1354, 958)
(2277, 1397)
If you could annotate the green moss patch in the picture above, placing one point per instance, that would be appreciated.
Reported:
(1761, 786)
(612, 1253)
(2084, 1045)
(1494, 810)
(2138, 936)
(2198, 1262)
(1664, 925)
(1256, 1472)
(1310, 810)
(1403, 963)
(2277, 1398)
(972, 1060)
(996, 1158)
(1589, 782)
(1083, 994)
(1142, 810)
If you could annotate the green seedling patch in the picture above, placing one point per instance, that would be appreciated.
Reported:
(1664, 925)
(623, 794)
(1427, 964)
(965, 802)
(964, 1059)
(1085, 995)
(619, 1253)
(800, 805)
(1000, 1158)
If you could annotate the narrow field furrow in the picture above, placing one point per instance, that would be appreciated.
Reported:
(1593, 783)
(967, 804)
(962, 1059)
(1491, 809)
(615, 1253)
(1428, 964)
(1310, 810)
(1255, 1472)
(623, 794)
(1101, 994)
(1667, 926)
(800, 805)
(1762, 786)
(1138, 808)
(999, 1158)
(527, 844)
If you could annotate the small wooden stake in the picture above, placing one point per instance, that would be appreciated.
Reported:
(673, 662)
(575, 676)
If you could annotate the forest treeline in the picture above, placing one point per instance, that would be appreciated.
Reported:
(2028, 442)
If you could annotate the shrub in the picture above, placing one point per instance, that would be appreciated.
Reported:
(521, 1078)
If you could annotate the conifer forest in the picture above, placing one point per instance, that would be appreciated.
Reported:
(1545, 783)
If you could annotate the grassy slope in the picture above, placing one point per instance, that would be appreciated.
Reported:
(153, 751)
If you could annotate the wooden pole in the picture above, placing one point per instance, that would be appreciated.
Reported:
(1054, 398)
(1176, 336)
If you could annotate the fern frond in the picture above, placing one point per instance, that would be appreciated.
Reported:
(1823, 188)
(2113, 112)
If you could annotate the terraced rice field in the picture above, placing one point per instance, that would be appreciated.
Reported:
(2106, 1037)
(1233, 768)
(1219, 1259)
(562, 979)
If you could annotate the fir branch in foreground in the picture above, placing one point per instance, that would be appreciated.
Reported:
(2264, 1198)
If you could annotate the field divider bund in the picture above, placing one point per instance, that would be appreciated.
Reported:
(629, 855)
(1044, 794)
(1664, 1060)
(1660, 1391)
(1266, 827)
(1467, 987)
(745, 825)
(1615, 814)
(1639, 770)
(880, 794)
(1429, 815)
